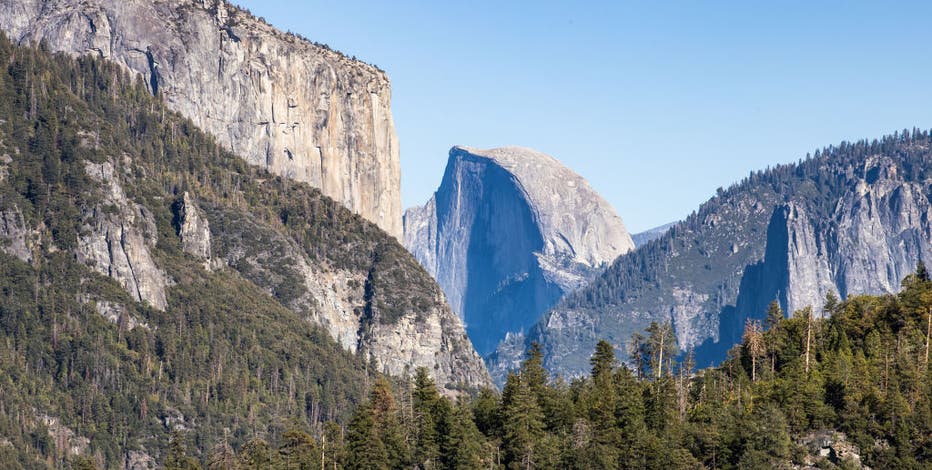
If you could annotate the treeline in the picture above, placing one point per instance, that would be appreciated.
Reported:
(858, 368)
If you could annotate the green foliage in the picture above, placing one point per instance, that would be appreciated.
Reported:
(868, 379)
(225, 362)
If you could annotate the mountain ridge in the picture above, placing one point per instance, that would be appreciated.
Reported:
(748, 245)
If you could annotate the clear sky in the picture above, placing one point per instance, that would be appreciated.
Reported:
(656, 103)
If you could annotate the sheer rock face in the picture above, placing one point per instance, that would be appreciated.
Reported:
(337, 299)
(855, 225)
(509, 231)
(116, 237)
(298, 109)
(876, 235)
(193, 229)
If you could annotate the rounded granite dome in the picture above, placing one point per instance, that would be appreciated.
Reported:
(573, 218)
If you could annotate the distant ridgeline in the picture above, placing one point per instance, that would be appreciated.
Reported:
(852, 219)
(151, 284)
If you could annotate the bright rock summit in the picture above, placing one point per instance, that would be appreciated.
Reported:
(508, 233)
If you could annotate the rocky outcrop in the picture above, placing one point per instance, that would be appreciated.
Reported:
(873, 237)
(116, 238)
(15, 236)
(113, 312)
(509, 232)
(296, 108)
(854, 220)
(826, 446)
(341, 301)
(193, 228)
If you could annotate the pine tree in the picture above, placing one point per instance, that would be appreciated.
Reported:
(487, 413)
(831, 303)
(463, 446)
(298, 451)
(636, 346)
(921, 272)
(177, 458)
(427, 417)
(600, 401)
(553, 399)
(774, 314)
(523, 426)
(221, 457)
(385, 415)
(364, 443)
(257, 454)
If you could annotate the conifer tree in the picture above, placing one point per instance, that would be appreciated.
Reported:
(427, 417)
(375, 438)
(257, 454)
(522, 426)
(365, 448)
(922, 273)
(774, 314)
(178, 458)
(299, 451)
(221, 457)
(385, 415)
(463, 446)
(602, 449)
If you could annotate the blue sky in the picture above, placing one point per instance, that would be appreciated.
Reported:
(656, 103)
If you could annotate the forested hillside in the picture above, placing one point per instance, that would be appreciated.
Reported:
(120, 325)
(850, 390)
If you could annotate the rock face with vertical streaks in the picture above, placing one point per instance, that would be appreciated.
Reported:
(297, 108)
(117, 237)
(193, 228)
(510, 231)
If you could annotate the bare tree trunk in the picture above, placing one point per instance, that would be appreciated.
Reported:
(753, 368)
(808, 339)
(660, 362)
(928, 334)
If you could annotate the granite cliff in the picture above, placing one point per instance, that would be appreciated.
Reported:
(507, 234)
(853, 219)
(296, 108)
(288, 240)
